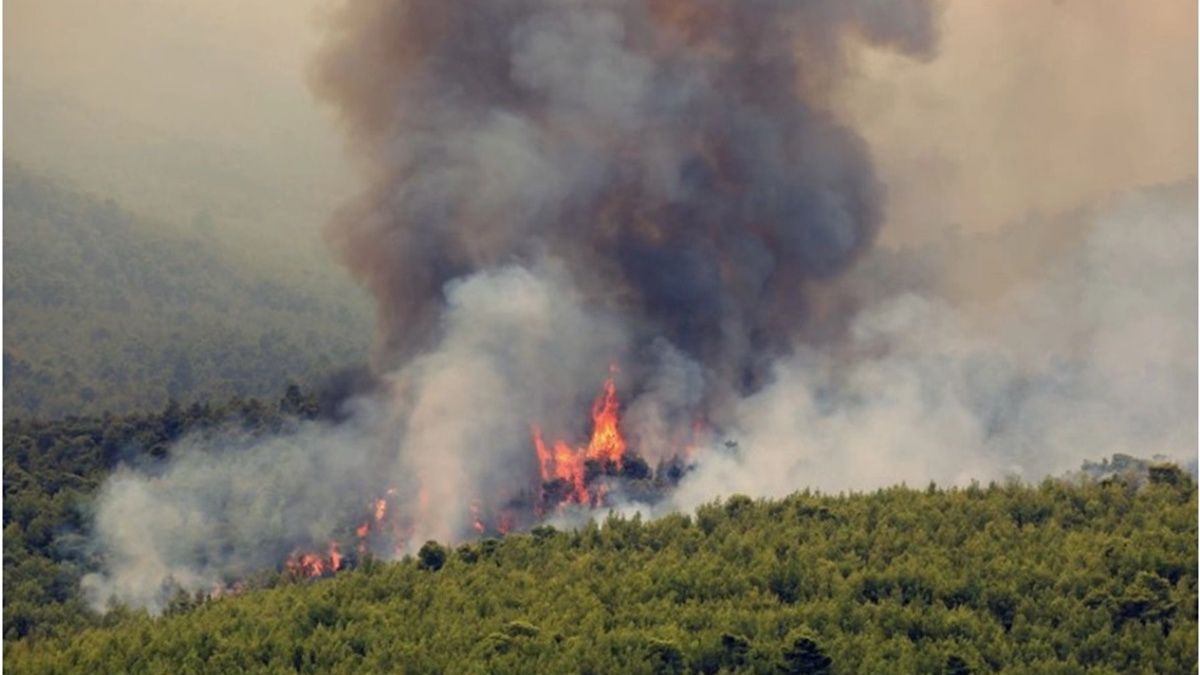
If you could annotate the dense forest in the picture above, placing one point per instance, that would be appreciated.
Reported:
(108, 311)
(52, 468)
(1096, 573)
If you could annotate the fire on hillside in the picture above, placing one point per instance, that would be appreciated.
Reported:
(569, 476)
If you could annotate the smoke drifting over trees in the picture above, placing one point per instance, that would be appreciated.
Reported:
(553, 187)
(1091, 356)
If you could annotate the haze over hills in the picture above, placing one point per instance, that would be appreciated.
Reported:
(180, 142)
(181, 111)
(108, 310)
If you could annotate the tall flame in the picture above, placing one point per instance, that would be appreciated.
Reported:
(606, 446)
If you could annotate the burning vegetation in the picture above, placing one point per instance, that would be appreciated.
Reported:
(568, 473)
(658, 182)
(315, 564)
(569, 476)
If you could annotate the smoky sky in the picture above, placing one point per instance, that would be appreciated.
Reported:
(679, 157)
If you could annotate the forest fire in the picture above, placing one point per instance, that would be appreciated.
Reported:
(313, 564)
(570, 465)
(568, 475)
(378, 521)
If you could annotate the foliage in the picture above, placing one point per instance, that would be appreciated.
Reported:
(431, 556)
(1067, 576)
(107, 311)
(51, 469)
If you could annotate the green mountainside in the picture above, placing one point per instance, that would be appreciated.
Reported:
(107, 311)
(1070, 576)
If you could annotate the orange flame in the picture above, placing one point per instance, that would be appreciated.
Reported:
(384, 521)
(313, 564)
(335, 557)
(606, 445)
(306, 564)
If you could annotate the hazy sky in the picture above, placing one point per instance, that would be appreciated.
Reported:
(177, 106)
(1038, 106)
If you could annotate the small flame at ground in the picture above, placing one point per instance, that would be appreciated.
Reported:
(312, 564)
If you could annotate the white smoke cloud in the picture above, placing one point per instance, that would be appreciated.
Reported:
(519, 348)
(1095, 356)
(226, 506)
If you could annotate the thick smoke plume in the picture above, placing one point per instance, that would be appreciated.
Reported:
(678, 157)
(554, 188)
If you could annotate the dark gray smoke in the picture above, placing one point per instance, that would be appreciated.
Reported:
(678, 157)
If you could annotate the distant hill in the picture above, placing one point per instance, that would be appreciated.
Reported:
(106, 310)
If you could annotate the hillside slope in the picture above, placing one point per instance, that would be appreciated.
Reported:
(105, 310)
(1094, 577)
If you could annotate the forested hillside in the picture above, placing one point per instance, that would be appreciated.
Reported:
(1069, 576)
(52, 470)
(107, 311)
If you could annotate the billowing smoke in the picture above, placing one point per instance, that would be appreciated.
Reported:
(555, 189)
(515, 349)
(450, 429)
(225, 508)
(678, 157)
(1094, 354)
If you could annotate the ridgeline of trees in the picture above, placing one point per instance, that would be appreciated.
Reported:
(107, 311)
(1087, 575)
